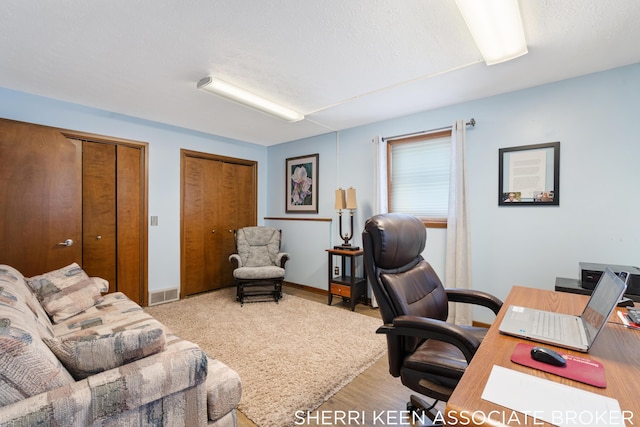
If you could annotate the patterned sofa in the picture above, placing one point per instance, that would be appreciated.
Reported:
(70, 356)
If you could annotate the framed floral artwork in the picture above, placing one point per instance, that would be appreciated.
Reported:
(302, 184)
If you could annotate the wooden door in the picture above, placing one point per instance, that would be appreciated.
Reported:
(199, 266)
(40, 198)
(112, 216)
(238, 209)
(218, 196)
(51, 193)
(99, 207)
(130, 218)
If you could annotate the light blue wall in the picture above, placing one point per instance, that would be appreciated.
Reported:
(165, 143)
(595, 119)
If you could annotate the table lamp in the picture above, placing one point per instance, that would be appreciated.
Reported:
(346, 200)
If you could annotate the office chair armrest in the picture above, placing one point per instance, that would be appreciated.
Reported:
(472, 296)
(235, 260)
(427, 328)
(281, 258)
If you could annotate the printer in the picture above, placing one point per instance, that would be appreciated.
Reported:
(590, 274)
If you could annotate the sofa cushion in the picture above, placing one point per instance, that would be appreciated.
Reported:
(114, 313)
(14, 291)
(27, 366)
(67, 291)
(86, 353)
(165, 389)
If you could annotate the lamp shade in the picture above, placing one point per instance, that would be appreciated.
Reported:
(341, 202)
(351, 199)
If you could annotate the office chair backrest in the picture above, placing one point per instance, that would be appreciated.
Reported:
(402, 281)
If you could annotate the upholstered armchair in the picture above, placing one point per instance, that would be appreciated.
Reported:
(258, 263)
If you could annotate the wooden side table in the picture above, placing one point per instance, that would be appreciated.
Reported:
(348, 286)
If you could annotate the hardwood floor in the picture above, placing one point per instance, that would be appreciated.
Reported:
(372, 398)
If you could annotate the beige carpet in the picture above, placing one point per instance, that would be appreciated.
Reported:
(291, 356)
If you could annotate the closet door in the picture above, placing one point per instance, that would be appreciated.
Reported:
(201, 230)
(40, 198)
(218, 196)
(112, 216)
(68, 196)
(130, 219)
(237, 200)
(99, 207)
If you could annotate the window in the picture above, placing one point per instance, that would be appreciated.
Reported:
(418, 173)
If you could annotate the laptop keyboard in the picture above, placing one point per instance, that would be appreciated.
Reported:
(549, 325)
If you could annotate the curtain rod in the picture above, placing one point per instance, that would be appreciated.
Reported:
(471, 123)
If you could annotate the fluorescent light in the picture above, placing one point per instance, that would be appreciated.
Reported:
(496, 27)
(234, 93)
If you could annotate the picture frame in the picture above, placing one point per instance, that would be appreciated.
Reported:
(529, 175)
(301, 174)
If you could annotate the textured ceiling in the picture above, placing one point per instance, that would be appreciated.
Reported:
(341, 63)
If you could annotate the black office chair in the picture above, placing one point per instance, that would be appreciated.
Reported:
(427, 353)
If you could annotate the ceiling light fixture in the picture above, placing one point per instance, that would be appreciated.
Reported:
(234, 93)
(496, 27)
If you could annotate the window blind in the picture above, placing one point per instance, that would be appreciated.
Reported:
(419, 177)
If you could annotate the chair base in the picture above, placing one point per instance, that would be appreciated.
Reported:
(258, 291)
(422, 409)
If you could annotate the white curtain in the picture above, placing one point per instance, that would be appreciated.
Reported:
(380, 177)
(380, 180)
(458, 255)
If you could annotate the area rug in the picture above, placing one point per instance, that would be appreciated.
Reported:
(291, 356)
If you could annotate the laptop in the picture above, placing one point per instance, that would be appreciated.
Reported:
(565, 330)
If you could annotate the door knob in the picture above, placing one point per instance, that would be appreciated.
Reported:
(67, 242)
(213, 231)
(98, 237)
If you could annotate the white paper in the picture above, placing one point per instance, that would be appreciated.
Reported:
(549, 401)
(527, 172)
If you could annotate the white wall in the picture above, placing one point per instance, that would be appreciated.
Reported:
(594, 117)
(165, 143)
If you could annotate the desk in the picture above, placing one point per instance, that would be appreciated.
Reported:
(617, 347)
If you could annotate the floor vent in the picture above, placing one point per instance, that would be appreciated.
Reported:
(164, 295)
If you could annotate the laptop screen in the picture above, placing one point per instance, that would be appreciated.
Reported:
(605, 296)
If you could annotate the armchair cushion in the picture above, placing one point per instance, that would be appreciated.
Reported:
(258, 246)
(256, 273)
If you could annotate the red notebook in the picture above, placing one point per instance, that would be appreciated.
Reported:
(578, 368)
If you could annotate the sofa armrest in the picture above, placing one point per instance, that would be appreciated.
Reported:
(120, 392)
(224, 389)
